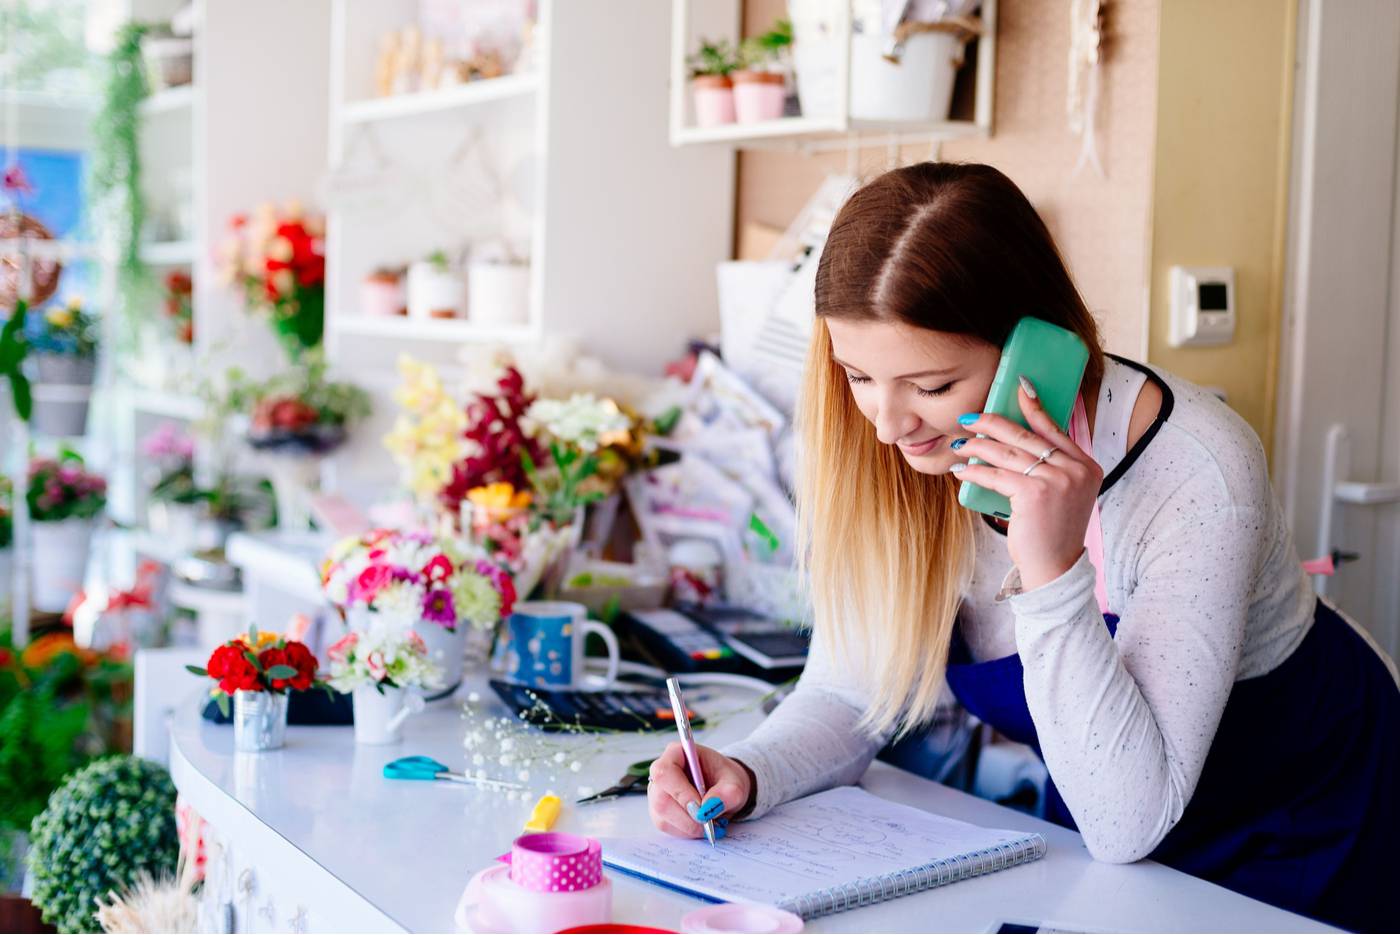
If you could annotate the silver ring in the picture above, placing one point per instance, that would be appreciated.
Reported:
(1033, 466)
(1045, 455)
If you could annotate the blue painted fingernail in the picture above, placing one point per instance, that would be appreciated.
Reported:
(722, 822)
(1027, 387)
(691, 808)
(710, 808)
(720, 831)
(970, 418)
(957, 468)
(958, 443)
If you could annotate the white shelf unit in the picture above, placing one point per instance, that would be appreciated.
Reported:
(693, 20)
(247, 130)
(570, 159)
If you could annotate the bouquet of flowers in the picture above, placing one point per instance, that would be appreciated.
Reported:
(385, 656)
(299, 411)
(63, 331)
(179, 304)
(259, 662)
(409, 577)
(59, 489)
(279, 262)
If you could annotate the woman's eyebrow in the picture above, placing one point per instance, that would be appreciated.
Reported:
(907, 376)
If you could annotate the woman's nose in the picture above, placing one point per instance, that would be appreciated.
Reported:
(893, 421)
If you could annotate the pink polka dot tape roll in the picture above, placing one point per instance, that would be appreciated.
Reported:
(554, 862)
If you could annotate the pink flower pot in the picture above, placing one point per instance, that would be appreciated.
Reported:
(714, 100)
(758, 96)
(381, 298)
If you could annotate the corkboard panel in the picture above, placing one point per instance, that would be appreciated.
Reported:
(1101, 225)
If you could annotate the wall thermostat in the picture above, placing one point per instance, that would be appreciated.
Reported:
(1202, 305)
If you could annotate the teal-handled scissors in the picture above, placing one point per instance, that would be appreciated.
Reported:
(638, 775)
(425, 767)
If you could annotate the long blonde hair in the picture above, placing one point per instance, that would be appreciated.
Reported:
(887, 551)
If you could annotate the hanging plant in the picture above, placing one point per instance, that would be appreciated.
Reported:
(118, 204)
(13, 350)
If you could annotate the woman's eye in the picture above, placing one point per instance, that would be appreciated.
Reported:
(937, 391)
(856, 378)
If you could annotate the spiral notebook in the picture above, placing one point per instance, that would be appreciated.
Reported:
(835, 850)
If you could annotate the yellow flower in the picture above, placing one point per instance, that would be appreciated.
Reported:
(499, 496)
(75, 303)
(264, 639)
(60, 317)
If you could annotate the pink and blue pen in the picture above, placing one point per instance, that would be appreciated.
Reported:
(692, 756)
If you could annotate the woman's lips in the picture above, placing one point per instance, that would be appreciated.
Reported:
(922, 448)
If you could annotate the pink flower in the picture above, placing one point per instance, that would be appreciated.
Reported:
(341, 649)
(438, 569)
(439, 608)
(370, 582)
(375, 664)
(416, 642)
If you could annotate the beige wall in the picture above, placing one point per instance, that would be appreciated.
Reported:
(1221, 192)
(1100, 224)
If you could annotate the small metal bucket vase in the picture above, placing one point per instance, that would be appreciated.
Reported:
(259, 721)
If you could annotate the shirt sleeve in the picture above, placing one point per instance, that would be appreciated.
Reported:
(1125, 724)
(811, 741)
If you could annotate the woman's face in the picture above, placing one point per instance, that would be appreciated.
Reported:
(912, 384)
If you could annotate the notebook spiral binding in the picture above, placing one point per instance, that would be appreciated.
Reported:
(939, 873)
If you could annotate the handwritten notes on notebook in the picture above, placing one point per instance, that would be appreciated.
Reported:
(843, 839)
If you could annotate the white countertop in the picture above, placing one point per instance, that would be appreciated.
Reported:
(400, 852)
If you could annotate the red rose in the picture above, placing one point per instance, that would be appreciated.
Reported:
(221, 659)
(272, 656)
(239, 674)
(300, 657)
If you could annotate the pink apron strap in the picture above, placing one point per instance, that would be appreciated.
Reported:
(1093, 536)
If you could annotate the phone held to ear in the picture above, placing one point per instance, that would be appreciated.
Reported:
(1053, 359)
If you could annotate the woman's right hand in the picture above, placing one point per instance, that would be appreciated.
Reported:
(671, 797)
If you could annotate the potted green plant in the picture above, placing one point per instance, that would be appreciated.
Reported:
(62, 358)
(435, 288)
(760, 81)
(710, 84)
(65, 501)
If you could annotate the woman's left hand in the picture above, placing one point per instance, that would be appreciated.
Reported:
(1050, 507)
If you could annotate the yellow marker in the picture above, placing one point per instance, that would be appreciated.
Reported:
(545, 813)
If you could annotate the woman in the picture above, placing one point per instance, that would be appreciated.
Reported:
(1142, 621)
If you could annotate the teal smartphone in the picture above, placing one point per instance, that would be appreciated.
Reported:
(1053, 359)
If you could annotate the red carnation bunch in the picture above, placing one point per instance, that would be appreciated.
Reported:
(259, 662)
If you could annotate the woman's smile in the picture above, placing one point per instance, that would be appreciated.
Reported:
(918, 449)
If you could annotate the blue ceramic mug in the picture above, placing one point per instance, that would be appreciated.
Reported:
(546, 645)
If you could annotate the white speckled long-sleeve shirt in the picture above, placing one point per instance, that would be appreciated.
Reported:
(1200, 568)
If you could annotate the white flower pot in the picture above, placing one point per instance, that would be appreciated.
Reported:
(917, 89)
(379, 716)
(60, 562)
(498, 293)
(65, 369)
(434, 292)
(447, 648)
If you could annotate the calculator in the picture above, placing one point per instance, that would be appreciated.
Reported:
(645, 710)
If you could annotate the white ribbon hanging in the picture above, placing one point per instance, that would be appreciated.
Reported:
(1085, 57)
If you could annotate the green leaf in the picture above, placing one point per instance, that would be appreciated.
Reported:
(222, 701)
(252, 634)
(197, 671)
(22, 395)
(248, 654)
(666, 422)
(281, 672)
(528, 463)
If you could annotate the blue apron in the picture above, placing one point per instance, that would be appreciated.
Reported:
(1297, 802)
